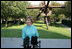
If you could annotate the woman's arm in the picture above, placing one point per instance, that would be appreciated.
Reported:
(37, 34)
(23, 34)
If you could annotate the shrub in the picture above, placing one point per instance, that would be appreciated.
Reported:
(66, 22)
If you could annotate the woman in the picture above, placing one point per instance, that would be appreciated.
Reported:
(29, 30)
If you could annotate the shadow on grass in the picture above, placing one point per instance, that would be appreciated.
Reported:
(56, 25)
(38, 22)
(11, 32)
(9, 25)
(38, 25)
(42, 34)
(51, 35)
(51, 24)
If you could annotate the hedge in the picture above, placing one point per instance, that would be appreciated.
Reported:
(66, 22)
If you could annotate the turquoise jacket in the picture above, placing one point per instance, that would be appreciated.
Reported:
(29, 31)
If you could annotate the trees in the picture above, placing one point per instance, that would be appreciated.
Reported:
(5, 11)
(67, 10)
(61, 16)
(53, 18)
(16, 10)
(62, 12)
(13, 9)
(55, 11)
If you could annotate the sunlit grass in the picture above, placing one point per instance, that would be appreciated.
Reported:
(55, 31)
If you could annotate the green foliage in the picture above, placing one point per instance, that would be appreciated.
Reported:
(52, 16)
(62, 12)
(14, 9)
(61, 16)
(32, 12)
(53, 3)
(66, 22)
(67, 10)
(55, 11)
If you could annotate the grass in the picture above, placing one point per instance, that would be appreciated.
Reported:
(55, 31)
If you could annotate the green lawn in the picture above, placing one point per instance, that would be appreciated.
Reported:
(55, 31)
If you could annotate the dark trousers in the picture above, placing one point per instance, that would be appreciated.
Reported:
(33, 42)
(26, 42)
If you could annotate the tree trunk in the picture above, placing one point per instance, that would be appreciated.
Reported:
(47, 23)
(6, 22)
(14, 21)
(54, 20)
(19, 22)
(1, 20)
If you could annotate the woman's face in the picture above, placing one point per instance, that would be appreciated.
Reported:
(28, 22)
